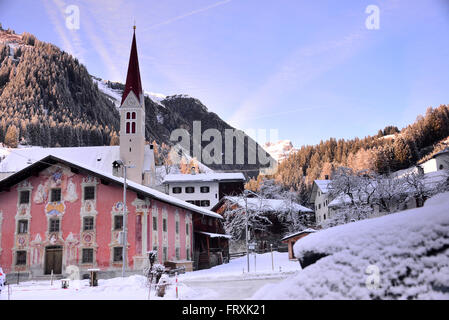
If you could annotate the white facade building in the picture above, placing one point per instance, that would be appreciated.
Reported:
(203, 189)
(320, 200)
(439, 161)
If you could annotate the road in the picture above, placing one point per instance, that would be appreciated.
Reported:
(240, 289)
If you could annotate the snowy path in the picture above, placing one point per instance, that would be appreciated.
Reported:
(240, 289)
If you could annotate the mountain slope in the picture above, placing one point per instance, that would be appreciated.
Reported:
(47, 98)
(164, 114)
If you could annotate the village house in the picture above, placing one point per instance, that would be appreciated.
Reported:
(270, 208)
(204, 189)
(64, 206)
(412, 186)
(439, 161)
(320, 200)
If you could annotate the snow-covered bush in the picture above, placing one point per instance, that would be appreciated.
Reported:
(399, 256)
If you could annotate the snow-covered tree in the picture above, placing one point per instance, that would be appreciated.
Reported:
(290, 217)
(239, 212)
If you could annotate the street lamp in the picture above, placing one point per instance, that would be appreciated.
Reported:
(245, 195)
(124, 238)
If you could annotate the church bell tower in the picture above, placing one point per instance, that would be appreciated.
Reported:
(132, 119)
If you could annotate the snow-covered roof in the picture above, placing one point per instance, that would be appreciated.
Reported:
(215, 235)
(323, 185)
(399, 256)
(204, 177)
(99, 158)
(131, 184)
(291, 235)
(278, 205)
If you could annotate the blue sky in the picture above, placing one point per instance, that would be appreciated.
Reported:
(308, 69)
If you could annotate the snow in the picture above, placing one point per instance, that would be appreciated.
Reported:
(323, 185)
(399, 256)
(115, 95)
(202, 177)
(308, 230)
(136, 186)
(219, 282)
(279, 150)
(266, 205)
(99, 158)
(215, 235)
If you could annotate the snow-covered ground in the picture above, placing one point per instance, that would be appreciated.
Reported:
(227, 281)
(399, 256)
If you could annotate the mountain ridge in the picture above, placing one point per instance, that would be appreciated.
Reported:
(47, 98)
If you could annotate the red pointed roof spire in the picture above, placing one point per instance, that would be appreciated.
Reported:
(133, 82)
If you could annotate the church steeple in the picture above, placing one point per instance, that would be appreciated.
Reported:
(133, 82)
(132, 119)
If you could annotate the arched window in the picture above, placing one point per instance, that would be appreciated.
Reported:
(133, 115)
(133, 127)
(127, 127)
(128, 115)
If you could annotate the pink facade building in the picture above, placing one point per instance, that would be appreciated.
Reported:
(61, 211)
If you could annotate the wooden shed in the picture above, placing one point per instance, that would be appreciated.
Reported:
(292, 238)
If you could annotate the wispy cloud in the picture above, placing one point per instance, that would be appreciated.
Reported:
(70, 39)
(299, 68)
(188, 14)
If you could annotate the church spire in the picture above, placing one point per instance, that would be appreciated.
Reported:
(133, 82)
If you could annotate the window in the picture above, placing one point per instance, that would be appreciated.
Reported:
(190, 189)
(55, 195)
(23, 226)
(118, 254)
(204, 189)
(127, 127)
(155, 223)
(21, 257)
(89, 193)
(188, 254)
(190, 201)
(164, 225)
(24, 197)
(88, 255)
(88, 223)
(177, 227)
(177, 190)
(165, 254)
(441, 167)
(128, 115)
(205, 203)
(54, 225)
(187, 229)
(197, 203)
(133, 126)
(118, 222)
(324, 217)
(178, 255)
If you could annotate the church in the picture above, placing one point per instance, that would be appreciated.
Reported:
(62, 207)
